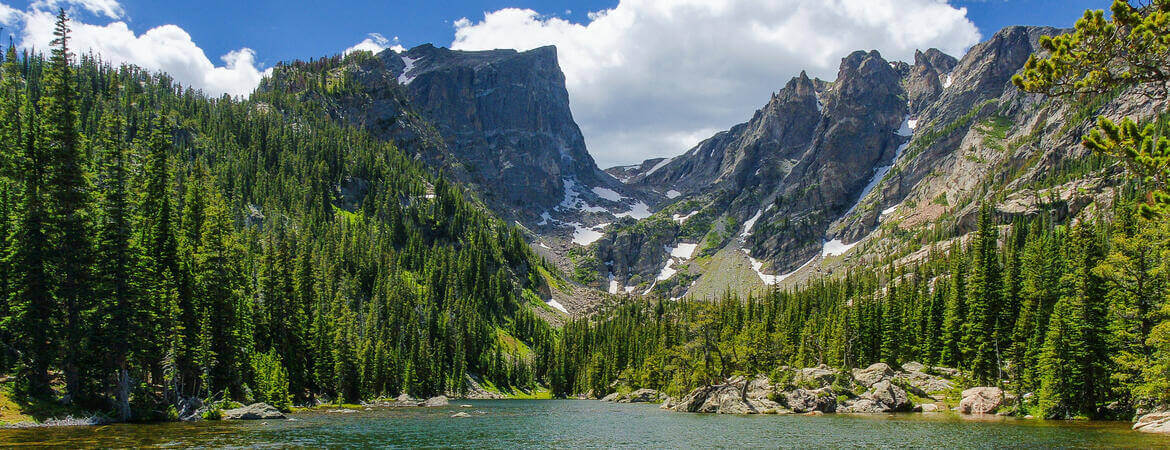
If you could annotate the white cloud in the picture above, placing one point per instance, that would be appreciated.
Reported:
(375, 43)
(648, 75)
(9, 15)
(107, 8)
(166, 48)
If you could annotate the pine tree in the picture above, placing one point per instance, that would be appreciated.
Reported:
(114, 263)
(156, 269)
(34, 316)
(216, 282)
(979, 340)
(68, 200)
(956, 312)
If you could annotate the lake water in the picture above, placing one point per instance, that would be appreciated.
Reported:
(587, 423)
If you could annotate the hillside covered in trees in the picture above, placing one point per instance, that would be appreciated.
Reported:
(161, 245)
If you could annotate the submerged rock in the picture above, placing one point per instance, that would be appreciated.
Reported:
(460, 415)
(255, 411)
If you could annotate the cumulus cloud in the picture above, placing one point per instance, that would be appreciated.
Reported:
(107, 8)
(650, 78)
(8, 15)
(375, 43)
(166, 48)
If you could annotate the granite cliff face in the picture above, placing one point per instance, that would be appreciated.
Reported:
(828, 175)
(497, 121)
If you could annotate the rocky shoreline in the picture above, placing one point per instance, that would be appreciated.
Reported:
(873, 390)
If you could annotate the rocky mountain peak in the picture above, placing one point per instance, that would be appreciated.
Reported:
(928, 77)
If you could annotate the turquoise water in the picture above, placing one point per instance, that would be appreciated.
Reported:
(586, 423)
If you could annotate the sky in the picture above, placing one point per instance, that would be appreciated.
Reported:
(646, 78)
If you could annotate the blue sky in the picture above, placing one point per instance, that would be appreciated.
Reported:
(286, 30)
(646, 78)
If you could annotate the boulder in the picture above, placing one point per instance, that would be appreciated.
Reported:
(641, 396)
(612, 397)
(1155, 422)
(883, 397)
(862, 406)
(406, 400)
(923, 384)
(725, 398)
(913, 366)
(873, 374)
(981, 400)
(821, 375)
(436, 401)
(668, 403)
(933, 407)
(891, 396)
(803, 400)
(460, 415)
(255, 411)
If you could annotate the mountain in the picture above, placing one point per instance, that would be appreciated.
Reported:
(881, 162)
(497, 121)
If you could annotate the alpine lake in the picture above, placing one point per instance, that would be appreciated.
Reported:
(590, 423)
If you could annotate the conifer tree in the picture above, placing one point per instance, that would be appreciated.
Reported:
(114, 263)
(33, 317)
(68, 202)
(956, 312)
(979, 340)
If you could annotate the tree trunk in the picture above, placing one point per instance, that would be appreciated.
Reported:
(123, 393)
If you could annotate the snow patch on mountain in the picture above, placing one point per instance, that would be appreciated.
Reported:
(836, 247)
(608, 194)
(555, 304)
(405, 78)
(749, 224)
(638, 211)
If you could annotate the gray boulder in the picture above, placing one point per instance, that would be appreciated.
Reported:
(923, 384)
(821, 375)
(641, 396)
(1155, 422)
(981, 400)
(883, 397)
(612, 397)
(803, 400)
(736, 396)
(873, 374)
(255, 411)
(436, 401)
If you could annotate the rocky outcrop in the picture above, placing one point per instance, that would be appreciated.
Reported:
(804, 400)
(255, 411)
(436, 401)
(737, 396)
(928, 77)
(1155, 422)
(821, 375)
(641, 396)
(981, 400)
(873, 374)
(922, 384)
(882, 397)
